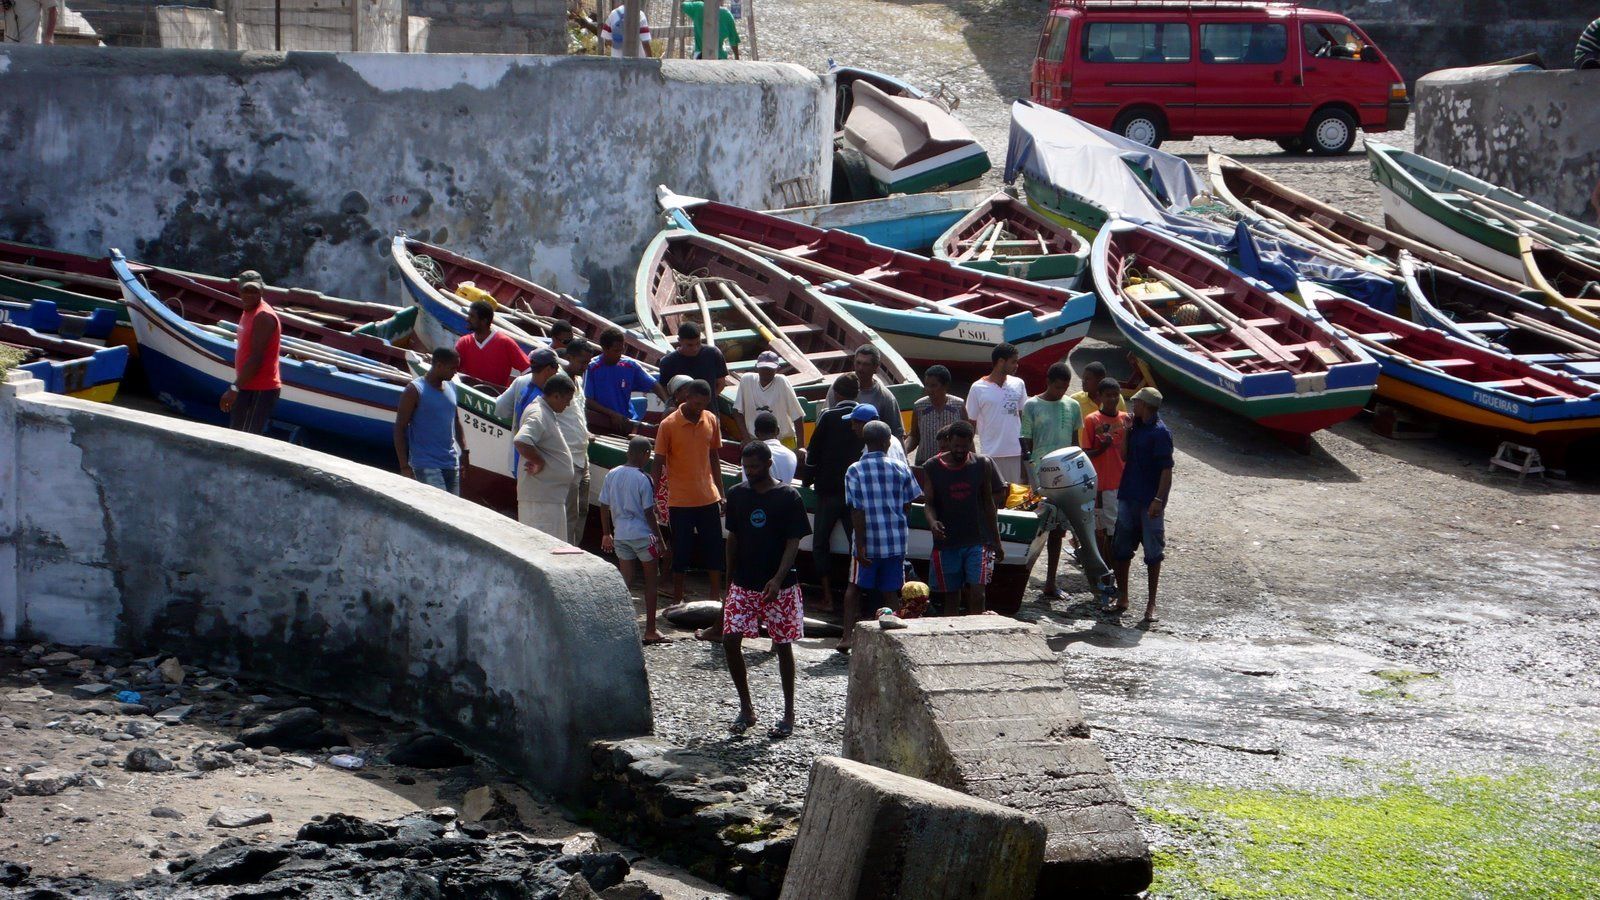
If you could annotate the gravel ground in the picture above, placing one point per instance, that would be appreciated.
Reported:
(1292, 580)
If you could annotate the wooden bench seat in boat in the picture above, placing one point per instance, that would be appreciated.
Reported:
(1452, 363)
(1236, 355)
(1202, 330)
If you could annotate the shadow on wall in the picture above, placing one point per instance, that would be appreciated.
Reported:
(326, 576)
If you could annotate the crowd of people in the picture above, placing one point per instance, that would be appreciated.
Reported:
(668, 505)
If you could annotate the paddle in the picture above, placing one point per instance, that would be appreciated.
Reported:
(846, 277)
(1253, 337)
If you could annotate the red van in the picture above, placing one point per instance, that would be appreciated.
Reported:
(1151, 70)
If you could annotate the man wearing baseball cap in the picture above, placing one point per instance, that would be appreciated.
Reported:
(1142, 497)
(768, 390)
(249, 401)
(859, 417)
(527, 387)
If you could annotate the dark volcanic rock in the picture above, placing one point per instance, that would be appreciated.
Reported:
(300, 728)
(428, 751)
(234, 865)
(146, 759)
(342, 829)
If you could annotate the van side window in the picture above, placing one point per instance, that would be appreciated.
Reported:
(1330, 40)
(1259, 43)
(1056, 47)
(1132, 42)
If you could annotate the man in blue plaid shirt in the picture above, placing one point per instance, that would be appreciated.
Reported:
(878, 491)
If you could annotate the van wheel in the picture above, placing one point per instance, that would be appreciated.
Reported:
(1141, 125)
(1331, 132)
(1292, 146)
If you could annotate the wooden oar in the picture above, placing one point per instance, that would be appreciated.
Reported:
(776, 339)
(1531, 324)
(1524, 218)
(1338, 253)
(988, 251)
(110, 284)
(1252, 336)
(846, 277)
(977, 240)
(1167, 327)
(699, 294)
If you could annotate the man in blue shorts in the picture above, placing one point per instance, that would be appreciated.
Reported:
(878, 491)
(965, 522)
(1142, 497)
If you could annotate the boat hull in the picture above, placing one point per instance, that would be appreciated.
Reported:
(96, 377)
(909, 222)
(1413, 222)
(1065, 208)
(965, 345)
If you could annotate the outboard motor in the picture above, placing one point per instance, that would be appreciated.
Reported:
(1066, 478)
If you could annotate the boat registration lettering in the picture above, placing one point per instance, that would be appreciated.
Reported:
(1494, 401)
(983, 334)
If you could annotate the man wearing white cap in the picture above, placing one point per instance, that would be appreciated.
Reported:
(766, 390)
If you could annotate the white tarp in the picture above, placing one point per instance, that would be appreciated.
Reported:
(302, 24)
(1060, 150)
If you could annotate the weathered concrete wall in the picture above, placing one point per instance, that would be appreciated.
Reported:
(1537, 133)
(302, 165)
(1422, 36)
(871, 834)
(979, 705)
(127, 528)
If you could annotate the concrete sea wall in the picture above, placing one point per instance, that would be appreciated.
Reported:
(125, 528)
(1422, 36)
(302, 165)
(1537, 133)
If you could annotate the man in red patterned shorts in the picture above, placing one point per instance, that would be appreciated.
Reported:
(765, 521)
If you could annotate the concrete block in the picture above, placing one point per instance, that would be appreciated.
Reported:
(931, 702)
(868, 833)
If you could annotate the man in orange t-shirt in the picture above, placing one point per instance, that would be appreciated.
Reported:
(686, 448)
(257, 382)
(1105, 440)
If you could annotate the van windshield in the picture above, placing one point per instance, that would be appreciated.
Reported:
(1330, 40)
(1131, 42)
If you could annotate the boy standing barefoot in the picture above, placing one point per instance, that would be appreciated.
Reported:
(628, 521)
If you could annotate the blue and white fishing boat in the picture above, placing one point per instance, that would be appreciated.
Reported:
(909, 222)
(342, 375)
(66, 366)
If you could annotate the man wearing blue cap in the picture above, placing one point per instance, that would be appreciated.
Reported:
(859, 417)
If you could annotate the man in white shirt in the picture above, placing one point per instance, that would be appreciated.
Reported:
(784, 460)
(614, 30)
(29, 21)
(767, 391)
(995, 404)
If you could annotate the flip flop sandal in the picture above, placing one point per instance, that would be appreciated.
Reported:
(741, 725)
(780, 731)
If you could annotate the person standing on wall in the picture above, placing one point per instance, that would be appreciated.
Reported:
(766, 390)
(686, 455)
(870, 389)
(879, 491)
(1142, 498)
(766, 521)
(249, 401)
(488, 355)
(727, 28)
(33, 21)
(931, 413)
(833, 447)
(693, 358)
(613, 32)
(547, 471)
(428, 438)
(995, 403)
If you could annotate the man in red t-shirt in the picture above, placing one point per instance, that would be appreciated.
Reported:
(1105, 440)
(488, 355)
(257, 381)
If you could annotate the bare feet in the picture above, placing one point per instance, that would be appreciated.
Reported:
(653, 637)
(709, 633)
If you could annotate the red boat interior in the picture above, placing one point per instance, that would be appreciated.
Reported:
(966, 290)
(518, 295)
(305, 315)
(1236, 325)
(1433, 349)
(690, 261)
(1006, 227)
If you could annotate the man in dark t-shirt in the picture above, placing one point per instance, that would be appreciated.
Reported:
(766, 521)
(965, 523)
(694, 359)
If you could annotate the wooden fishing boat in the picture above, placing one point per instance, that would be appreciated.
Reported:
(932, 312)
(73, 282)
(845, 79)
(342, 370)
(1065, 207)
(1465, 382)
(1003, 235)
(46, 317)
(434, 277)
(911, 144)
(1502, 321)
(1215, 334)
(747, 305)
(1346, 237)
(1564, 281)
(905, 221)
(66, 366)
(1468, 216)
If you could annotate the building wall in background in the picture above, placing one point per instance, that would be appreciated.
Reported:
(303, 165)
